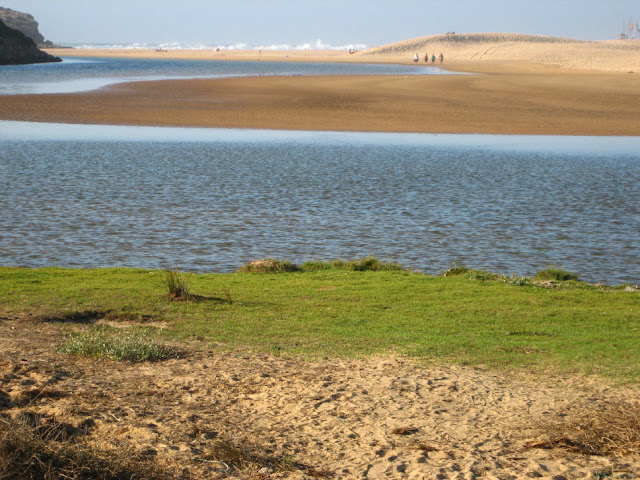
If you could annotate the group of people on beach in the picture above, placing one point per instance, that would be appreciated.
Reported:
(416, 58)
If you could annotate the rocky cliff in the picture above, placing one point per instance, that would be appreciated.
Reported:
(23, 22)
(17, 49)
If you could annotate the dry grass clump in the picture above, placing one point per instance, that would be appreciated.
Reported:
(244, 456)
(611, 428)
(404, 431)
(33, 452)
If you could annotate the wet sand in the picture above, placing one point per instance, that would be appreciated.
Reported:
(547, 102)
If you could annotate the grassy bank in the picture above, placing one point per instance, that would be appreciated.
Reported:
(471, 318)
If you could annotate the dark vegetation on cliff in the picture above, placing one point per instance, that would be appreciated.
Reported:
(18, 49)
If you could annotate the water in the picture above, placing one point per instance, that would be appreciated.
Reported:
(211, 199)
(79, 74)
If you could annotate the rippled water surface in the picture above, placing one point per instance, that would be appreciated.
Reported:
(210, 199)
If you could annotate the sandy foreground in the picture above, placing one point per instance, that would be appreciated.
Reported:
(524, 85)
(342, 419)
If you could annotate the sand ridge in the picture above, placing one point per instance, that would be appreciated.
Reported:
(484, 49)
(501, 103)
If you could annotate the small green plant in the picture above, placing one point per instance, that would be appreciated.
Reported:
(471, 274)
(269, 265)
(555, 274)
(456, 270)
(373, 264)
(517, 281)
(177, 286)
(482, 275)
(116, 344)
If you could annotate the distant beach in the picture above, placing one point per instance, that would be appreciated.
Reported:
(531, 85)
(474, 52)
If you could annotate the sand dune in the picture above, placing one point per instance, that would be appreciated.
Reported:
(478, 48)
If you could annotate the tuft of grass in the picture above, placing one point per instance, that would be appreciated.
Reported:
(367, 264)
(611, 428)
(555, 274)
(516, 280)
(456, 270)
(269, 265)
(31, 452)
(116, 344)
(471, 274)
(483, 275)
(177, 286)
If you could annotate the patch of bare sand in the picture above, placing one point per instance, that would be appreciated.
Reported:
(374, 418)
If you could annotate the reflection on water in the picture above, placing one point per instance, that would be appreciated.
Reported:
(79, 74)
(209, 200)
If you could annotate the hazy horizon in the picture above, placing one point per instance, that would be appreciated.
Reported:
(316, 24)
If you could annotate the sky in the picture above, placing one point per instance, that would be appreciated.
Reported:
(320, 23)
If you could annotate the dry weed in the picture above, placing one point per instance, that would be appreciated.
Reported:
(244, 456)
(404, 431)
(611, 428)
(30, 450)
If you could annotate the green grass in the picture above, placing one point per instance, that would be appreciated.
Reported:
(117, 344)
(477, 319)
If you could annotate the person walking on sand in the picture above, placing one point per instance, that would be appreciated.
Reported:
(426, 57)
(441, 57)
(433, 58)
(415, 58)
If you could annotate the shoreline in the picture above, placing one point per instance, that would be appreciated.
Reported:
(201, 132)
(515, 92)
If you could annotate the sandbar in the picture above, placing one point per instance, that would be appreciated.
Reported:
(520, 85)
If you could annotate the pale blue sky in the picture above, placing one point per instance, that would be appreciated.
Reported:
(334, 22)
